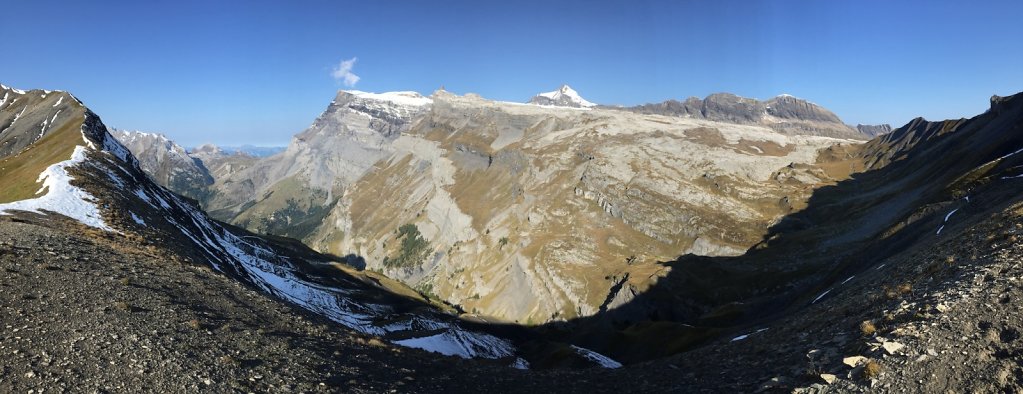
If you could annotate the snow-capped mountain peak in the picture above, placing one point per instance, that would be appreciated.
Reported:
(565, 96)
(408, 98)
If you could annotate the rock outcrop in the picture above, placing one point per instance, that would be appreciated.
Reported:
(785, 114)
(522, 212)
(874, 130)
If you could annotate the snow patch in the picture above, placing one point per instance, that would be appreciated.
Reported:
(744, 336)
(404, 98)
(950, 214)
(519, 363)
(111, 145)
(820, 296)
(456, 342)
(137, 219)
(277, 278)
(600, 359)
(61, 196)
(18, 91)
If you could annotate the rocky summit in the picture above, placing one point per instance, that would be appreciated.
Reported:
(565, 96)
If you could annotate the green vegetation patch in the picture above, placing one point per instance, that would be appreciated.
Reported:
(414, 248)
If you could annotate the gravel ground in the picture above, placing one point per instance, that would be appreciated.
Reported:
(86, 311)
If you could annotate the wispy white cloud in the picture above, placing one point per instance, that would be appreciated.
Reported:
(343, 72)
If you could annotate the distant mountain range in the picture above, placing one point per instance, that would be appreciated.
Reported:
(251, 150)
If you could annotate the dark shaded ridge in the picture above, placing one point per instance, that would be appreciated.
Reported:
(919, 173)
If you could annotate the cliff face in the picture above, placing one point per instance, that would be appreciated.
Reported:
(785, 114)
(874, 130)
(290, 192)
(533, 213)
(85, 181)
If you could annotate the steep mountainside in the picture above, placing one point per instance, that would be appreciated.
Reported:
(874, 130)
(290, 193)
(101, 185)
(785, 114)
(522, 212)
(167, 162)
(31, 124)
(926, 183)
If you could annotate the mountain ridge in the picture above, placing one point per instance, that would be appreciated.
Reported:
(102, 185)
(784, 113)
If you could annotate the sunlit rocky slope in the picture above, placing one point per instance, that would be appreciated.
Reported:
(81, 172)
(532, 213)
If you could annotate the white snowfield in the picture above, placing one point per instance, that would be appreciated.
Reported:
(61, 197)
(460, 343)
(598, 358)
(413, 99)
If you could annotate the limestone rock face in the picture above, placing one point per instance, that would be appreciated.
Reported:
(874, 130)
(532, 212)
(290, 192)
(527, 211)
(785, 114)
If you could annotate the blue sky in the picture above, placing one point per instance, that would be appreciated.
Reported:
(259, 72)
